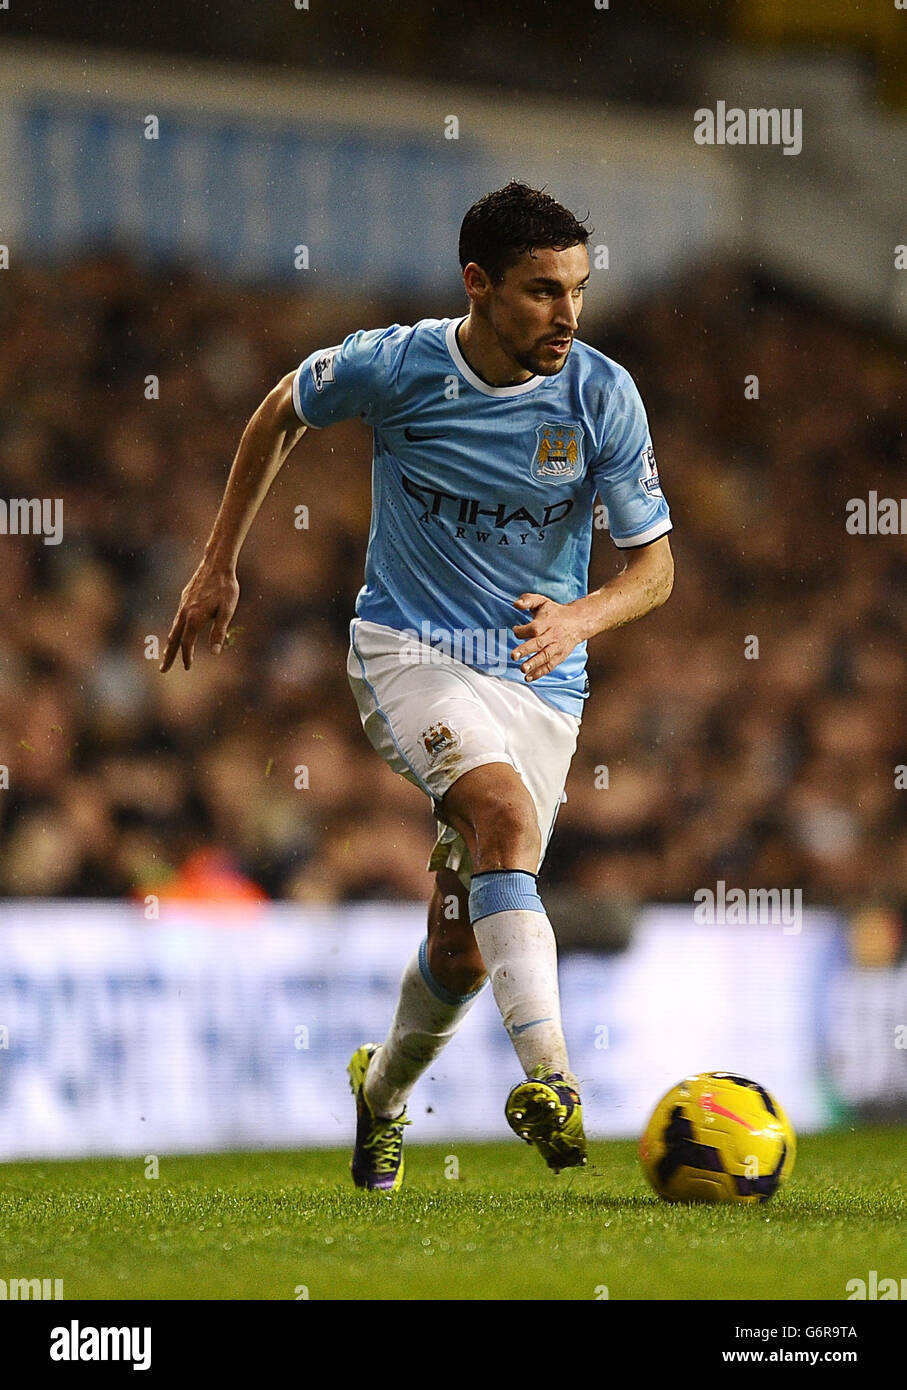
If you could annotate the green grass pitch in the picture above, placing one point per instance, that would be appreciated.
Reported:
(265, 1226)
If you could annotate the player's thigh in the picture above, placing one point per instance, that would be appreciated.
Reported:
(492, 756)
(491, 805)
(428, 721)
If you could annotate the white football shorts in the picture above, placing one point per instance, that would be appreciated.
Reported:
(432, 719)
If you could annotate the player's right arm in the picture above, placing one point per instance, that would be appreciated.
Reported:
(332, 384)
(213, 591)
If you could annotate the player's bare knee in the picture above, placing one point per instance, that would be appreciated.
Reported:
(493, 811)
(506, 835)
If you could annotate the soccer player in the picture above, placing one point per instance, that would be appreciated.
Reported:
(493, 434)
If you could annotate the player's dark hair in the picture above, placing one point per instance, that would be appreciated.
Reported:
(500, 227)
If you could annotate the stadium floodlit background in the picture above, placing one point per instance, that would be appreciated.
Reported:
(210, 883)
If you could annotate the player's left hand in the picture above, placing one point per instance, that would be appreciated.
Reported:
(548, 638)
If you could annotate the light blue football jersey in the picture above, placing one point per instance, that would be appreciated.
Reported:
(482, 493)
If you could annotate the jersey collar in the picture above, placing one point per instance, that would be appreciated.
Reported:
(465, 370)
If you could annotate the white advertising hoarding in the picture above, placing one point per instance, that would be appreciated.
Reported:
(205, 1031)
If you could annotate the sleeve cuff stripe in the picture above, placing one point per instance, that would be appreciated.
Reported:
(661, 528)
(297, 403)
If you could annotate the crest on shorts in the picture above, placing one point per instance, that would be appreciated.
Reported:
(438, 739)
(558, 453)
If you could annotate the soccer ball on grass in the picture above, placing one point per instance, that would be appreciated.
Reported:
(717, 1137)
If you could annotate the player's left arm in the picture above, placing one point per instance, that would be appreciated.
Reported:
(555, 629)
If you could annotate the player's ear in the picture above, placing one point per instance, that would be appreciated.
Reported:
(476, 281)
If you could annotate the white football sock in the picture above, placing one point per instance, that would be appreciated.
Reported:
(426, 1019)
(520, 955)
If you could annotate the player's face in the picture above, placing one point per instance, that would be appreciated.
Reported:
(535, 309)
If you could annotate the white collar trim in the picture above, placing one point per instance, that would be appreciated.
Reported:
(465, 370)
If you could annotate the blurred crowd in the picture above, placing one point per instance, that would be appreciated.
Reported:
(751, 729)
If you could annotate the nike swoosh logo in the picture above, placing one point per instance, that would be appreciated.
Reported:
(708, 1102)
(419, 438)
(521, 1027)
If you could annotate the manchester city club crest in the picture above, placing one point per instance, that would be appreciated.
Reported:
(438, 739)
(558, 453)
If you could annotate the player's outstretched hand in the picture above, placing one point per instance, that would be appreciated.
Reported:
(548, 638)
(210, 596)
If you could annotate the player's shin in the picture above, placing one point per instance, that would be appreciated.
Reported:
(518, 948)
(426, 1018)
